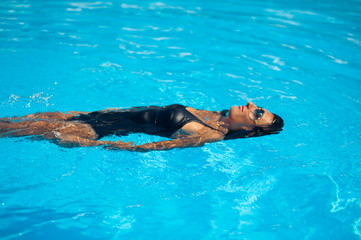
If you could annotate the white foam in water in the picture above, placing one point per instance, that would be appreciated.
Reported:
(357, 227)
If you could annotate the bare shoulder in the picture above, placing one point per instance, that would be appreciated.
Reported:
(203, 114)
(193, 110)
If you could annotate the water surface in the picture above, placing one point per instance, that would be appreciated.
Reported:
(300, 59)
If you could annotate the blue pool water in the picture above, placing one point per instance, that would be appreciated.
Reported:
(300, 59)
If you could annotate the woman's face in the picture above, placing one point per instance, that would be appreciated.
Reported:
(248, 116)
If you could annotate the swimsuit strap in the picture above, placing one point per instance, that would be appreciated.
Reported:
(161, 121)
(190, 117)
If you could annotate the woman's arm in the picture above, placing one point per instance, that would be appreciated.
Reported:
(192, 141)
(75, 141)
(189, 141)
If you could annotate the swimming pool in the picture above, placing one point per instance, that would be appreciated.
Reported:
(300, 59)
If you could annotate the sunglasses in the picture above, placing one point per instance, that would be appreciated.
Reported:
(256, 114)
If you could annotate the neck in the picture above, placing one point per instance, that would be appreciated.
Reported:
(226, 120)
(233, 125)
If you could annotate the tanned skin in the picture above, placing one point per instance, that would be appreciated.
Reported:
(55, 126)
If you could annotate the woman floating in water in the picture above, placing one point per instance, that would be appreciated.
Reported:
(186, 126)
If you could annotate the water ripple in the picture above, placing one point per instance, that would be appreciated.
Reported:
(302, 56)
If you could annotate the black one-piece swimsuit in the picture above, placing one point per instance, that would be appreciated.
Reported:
(161, 121)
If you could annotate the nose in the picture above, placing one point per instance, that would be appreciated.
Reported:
(251, 105)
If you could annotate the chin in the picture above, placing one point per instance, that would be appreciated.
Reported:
(236, 115)
(231, 116)
(233, 111)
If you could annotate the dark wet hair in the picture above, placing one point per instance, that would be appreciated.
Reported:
(275, 128)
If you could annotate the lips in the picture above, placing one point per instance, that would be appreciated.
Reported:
(241, 108)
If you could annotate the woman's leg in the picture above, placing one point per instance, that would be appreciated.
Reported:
(46, 115)
(46, 128)
(51, 126)
(66, 134)
(26, 127)
(34, 124)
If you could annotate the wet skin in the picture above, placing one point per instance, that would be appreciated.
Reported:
(240, 117)
(55, 126)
